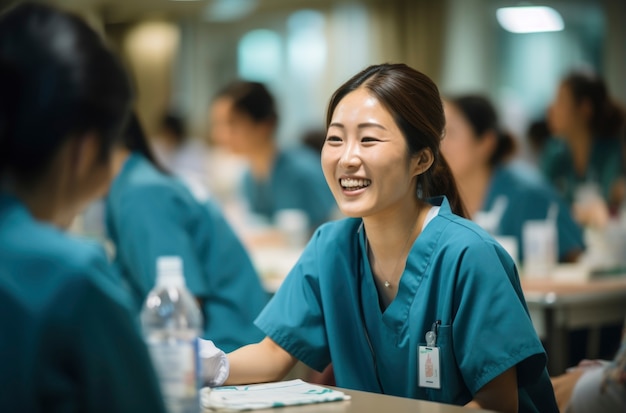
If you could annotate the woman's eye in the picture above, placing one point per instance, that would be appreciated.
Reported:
(369, 139)
(333, 138)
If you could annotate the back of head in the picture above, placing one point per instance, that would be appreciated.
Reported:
(252, 99)
(607, 118)
(483, 118)
(58, 80)
(413, 100)
(174, 126)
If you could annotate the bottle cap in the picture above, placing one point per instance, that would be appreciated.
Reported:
(170, 271)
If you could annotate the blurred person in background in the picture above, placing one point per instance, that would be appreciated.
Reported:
(69, 341)
(586, 160)
(244, 118)
(150, 213)
(594, 385)
(479, 153)
(185, 157)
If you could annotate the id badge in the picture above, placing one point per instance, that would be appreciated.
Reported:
(429, 372)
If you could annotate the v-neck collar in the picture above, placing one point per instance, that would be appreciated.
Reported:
(396, 315)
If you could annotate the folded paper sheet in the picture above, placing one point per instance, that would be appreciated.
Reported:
(268, 395)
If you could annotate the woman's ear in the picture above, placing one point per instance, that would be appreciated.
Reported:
(85, 154)
(488, 143)
(422, 161)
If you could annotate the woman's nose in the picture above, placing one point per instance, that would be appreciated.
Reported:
(350, 157)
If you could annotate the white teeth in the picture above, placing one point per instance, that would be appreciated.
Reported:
(351, 183)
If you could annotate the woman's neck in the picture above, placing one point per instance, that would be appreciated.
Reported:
(389, 240)
(261, 161)
(473, 188)
(43, 198)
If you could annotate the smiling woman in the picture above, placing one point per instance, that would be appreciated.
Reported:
(403, 267)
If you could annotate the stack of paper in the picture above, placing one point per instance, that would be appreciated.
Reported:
(263, 396)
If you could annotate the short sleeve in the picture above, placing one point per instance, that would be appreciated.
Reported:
(294, 317)
(492, 330)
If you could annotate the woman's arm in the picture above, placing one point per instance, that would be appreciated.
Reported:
(500, 394)
(257, 363)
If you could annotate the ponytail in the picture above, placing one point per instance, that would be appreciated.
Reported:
(135, 140)
(438, 180)
(610, 121)
(505, 148)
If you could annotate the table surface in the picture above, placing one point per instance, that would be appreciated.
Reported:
(363, 402)
(554, 292)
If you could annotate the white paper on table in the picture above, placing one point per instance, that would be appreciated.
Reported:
(268, 395)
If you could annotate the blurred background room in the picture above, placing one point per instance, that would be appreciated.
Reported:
(181, 53)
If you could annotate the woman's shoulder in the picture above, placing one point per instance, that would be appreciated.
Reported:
(56, 263)
(521, 180)
(456, 235)
(337, 235)
(142, 183)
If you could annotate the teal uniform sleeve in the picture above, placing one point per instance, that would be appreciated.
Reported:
(494, 333)
(297, 304)
(150, 223)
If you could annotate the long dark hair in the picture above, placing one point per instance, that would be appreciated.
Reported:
(482, 117)
(135, 140)
(413, 100)
(58, 80)
(608, 118)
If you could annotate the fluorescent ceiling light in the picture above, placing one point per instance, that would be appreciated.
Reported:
(529, 19)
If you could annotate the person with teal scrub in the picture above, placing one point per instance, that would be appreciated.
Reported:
(69, 341)
(586, 160)
(479, 153)
(244, 119)
(150, 213)
(405, 296)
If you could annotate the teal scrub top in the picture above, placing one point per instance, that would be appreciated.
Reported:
(328, 309)
(69, 342)
(295, 182)
(151, 214)
(606, 166)
(528, 198)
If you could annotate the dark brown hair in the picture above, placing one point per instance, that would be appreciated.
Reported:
(413, 100)
(252, 99)
(482, 117)
(607, 119)
(58, 81)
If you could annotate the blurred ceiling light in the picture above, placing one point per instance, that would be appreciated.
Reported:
(529, 19)
(229, 10)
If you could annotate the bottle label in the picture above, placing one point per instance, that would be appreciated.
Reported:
(176, 363)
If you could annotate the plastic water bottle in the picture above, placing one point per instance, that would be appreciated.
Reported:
(172, 322)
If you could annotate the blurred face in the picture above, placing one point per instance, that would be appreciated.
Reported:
(365, 159)
(564, 115)
(463, 150)
(234, 130)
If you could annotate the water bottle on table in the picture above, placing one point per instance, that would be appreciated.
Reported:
(171, 323)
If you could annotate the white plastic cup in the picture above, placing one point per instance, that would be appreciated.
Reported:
(540, 248)
(294, 223)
